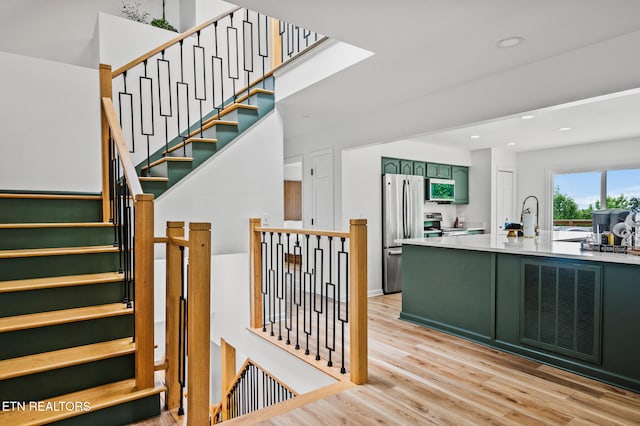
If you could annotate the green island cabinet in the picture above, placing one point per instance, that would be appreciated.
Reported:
(575, 314)
(460, 174)
(442, 171)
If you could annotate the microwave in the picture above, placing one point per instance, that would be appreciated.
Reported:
(441, 190)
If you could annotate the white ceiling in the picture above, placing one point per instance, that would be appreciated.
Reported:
(436, 66)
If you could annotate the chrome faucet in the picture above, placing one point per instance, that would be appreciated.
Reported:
(537, 229)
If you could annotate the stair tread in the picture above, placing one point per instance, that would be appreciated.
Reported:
(167, 159)
(44, 319)
(55, 225)
(32, 364)
(188, 141)
(212, 123)
(50, 196)
(61, 281)
(55, 251)
(98, 398)
(253, 92)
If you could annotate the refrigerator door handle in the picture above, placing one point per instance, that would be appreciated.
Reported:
(409, 211)
(404, 208)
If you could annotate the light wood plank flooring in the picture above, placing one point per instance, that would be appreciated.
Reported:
(420, 376)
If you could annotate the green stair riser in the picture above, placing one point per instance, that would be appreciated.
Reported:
(51, 299)
(48, 384)
(46, 339)
(50, 266)
(23, 238)
(35, 210)
(118, 415)
(155, 188)
(174, 170)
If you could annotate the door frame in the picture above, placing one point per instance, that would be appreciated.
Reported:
(494, 218)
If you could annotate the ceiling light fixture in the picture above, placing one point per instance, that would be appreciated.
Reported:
(509, 42)
(475, 136)
(527, 117)
(564, 129)
(511, 143)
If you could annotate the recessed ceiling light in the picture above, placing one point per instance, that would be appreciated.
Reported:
(527, 117)
(511, 143)
(475, 136)
(564, 129)
(509, 42)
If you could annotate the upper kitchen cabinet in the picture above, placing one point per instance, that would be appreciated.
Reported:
(419, 168)
(460, 175)
(442, 171)
(390, 166)
(406, 167)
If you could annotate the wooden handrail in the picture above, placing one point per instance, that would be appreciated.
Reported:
(246, 365)
(116, 133)
(319, 232)
(170, 43)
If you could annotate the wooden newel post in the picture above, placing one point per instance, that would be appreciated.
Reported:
(358, 301)
(255, 277)
(105, 92)
(143, 276)
(174, 283)
(276, 43)
(199, 323)
(228, 361)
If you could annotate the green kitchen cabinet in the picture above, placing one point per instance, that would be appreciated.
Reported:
(406, 167)
(419, 168)
(460, 175)
(442, 171)
(475, 231)
(390, 166)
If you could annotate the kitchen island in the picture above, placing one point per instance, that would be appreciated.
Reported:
(541, 297)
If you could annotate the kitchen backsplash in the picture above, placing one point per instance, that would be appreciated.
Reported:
(449, 211)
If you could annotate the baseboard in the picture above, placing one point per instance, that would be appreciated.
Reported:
(373, 293)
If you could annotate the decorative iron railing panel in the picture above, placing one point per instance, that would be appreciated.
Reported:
(305, 292)
(171, 94)
(254, 389)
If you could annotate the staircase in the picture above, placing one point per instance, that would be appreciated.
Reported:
(67, 352)
(167, 166)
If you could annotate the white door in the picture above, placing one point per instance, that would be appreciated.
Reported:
(505, 198)
(322, 190)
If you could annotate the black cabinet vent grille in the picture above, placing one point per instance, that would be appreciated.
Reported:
(560, 309)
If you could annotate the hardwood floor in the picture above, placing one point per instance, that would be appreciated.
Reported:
(421, 376)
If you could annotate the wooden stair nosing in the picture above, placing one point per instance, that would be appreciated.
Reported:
(188, 141)
(98, 398)
(212, 123)
(61, 281)
(50, 196)
(46, 361)
(230, 108)
(64, 316)
(167, 159)
(55, 251)
(254, 92)
(26, 225)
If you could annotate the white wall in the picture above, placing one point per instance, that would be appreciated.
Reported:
(479, 208)
(116, 34)
(536, 167)
(362, 197)
(242, 181)
(293, 171)
(50, 128)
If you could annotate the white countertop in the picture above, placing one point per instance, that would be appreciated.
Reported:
(549, 243)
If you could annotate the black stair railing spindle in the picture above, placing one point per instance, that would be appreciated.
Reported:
(247, 50)
(216, 70)
(263, 43)
(297, 291)
(271, 287)
(165, 98)
(279, 274)
(318, 279)
(330, 300)
(182, 338)
(343, 286)
(288, 288)
(264, 279)
(146, 110)
(183, 88)
(306, 301)
(199, 78)
(233, 66)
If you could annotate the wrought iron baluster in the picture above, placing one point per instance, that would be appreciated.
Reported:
(297, 282)
(163, 67)
(307, 307)
(233, 66)
(318, 278)
(288, 288)
(279, 275)
(272, 285)
(146, 100)
(199, 89)
(343, 285)
(182, 337)
(247, 50)
(264, 280)
(330, 344)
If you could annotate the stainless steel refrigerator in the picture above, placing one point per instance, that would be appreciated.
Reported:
(402, 217)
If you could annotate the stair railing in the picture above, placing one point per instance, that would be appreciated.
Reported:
(188, 319)
(253, 389)
(309, 294)
(131, 212)
(181, 88)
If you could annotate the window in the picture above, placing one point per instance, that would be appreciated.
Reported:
(576, 195)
